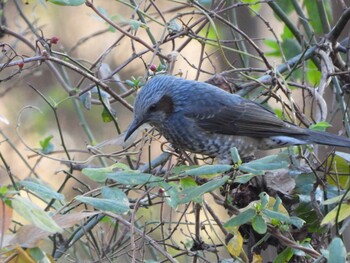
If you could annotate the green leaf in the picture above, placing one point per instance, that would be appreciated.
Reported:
(134, 82)
(106, 116)
(271, 162)
(284, 256)
(3, 190)
(185, 183)
(306, 244)
(264, 199)
(114, 193)
(130, 83)
(35, 214)
(276, 52)
(46, 145)
(235, 156)
(171, 192)
(132, 178)
(345, 156)
(248, 169)
(291, 47)
(41, 189)
(206, 170)
(191, 194)
(286, 34)
(314, 15)
(276, 215)
(241, 218)
(279, 113)
(38, 255)
(115, 201)
(187, 195)
(259, 224)
(245, 178)
(99, 174)
(313, 74)
(253, 4)
(188, 182)
(182, 168)
(304, 184)
(337, 251)
(298, 222)
(320, 126)
(67, 2)
(211, 32)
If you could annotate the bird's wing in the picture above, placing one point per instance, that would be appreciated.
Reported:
(235, 115)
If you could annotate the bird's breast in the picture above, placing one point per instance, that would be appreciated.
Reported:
(185, 135)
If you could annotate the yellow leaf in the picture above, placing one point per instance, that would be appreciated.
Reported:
(270, 205)
(281, 208)
(338, 165)
(21, 256)
(235, 245)
(257, 258)
(343, 213)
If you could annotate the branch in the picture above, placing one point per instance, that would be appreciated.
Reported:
(103, 85)
(290, 243)
(151, 241)
(339, 26)
(135, 38)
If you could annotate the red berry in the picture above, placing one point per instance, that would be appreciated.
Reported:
(54, 40)
(153, 67)
(20, 65)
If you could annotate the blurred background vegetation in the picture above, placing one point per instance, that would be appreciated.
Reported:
(69, 74)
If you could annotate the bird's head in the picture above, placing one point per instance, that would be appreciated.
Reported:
(154, 103)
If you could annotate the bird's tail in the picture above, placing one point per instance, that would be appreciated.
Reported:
(326, 138)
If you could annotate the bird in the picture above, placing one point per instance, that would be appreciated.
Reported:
(200, 118)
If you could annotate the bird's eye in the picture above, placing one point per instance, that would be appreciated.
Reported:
(153, 108)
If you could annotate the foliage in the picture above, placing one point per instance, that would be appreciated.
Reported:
(114, 201)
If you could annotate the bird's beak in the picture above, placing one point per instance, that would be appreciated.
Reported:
(133, 127)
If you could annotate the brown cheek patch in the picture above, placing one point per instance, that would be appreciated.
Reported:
(166, 104)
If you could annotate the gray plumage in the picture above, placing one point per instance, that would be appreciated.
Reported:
(200, 118)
